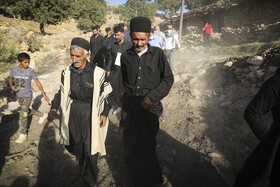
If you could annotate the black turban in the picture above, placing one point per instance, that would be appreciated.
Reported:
(140, 24)
(83, 43)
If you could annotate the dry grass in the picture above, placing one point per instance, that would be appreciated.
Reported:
(245, 49)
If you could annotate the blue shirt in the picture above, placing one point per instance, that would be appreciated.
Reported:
(157, 41)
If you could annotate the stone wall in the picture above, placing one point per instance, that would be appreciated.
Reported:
(253, 71)
(237, 22)
(251, 21)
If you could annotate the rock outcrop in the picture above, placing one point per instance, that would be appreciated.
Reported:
(253, 71)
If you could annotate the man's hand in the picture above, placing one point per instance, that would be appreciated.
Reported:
(108, 73)
(146, 103)
(51, 115)
(46, 98)
(102, 121)
(15, 89)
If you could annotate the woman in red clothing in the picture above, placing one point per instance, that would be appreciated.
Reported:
(207, 30)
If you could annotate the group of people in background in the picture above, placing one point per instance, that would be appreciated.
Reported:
(167, 41)
(100, 45)
(106, 50)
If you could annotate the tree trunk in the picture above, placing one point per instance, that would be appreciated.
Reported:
(42, 28)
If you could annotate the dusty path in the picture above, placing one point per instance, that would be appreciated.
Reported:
(203, 139)
(204, 114)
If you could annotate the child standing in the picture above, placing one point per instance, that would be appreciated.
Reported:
(20, 82)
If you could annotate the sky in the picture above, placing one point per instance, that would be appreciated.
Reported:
(117, 1)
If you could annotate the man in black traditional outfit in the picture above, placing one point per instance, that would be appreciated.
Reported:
(113, 66)
(82, 101)
(267, 99)
(147, 78)
(262, 167)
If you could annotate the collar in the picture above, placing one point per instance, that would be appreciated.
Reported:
(124, 42)
(150, 50)
(80, 71)
(140, 53)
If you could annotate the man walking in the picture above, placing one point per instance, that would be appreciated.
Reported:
(171, 44)
(147, 78)
(156, 41)
(113, 65)
(158, 32)
(262, 167)
(96, 43)
(84, 109)
(207, 30)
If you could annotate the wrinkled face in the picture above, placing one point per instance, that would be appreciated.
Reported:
(140, 40)
(95, 31)
(24, 64)
(119, 36)
(78, 58)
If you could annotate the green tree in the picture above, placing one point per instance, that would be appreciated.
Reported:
(90, 13)
(170, 7)
(42, 11)
(134, 8)
(7, 51)
(191, 4)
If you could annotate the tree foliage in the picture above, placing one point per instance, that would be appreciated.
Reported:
(169, 6)
(172, 6)
(7, 51)
(191, 4)
(90, 13)
(134, 8)
(41, 11)
(87, 12)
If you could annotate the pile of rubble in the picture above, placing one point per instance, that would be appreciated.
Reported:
(253, 71)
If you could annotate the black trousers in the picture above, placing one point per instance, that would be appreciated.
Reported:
(140, 128)
(207, 40)
(80, 138)
(262, 167)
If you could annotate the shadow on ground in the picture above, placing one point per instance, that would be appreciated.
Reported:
(182, 165)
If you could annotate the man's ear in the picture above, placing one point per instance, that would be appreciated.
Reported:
(87, 54)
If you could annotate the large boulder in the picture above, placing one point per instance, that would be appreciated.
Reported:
(227, 65)
(255, 60)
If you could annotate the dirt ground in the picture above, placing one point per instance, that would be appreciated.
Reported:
(203, 138)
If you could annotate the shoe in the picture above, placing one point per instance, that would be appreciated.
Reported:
(42, 119)
(117, 110)
(21, 138)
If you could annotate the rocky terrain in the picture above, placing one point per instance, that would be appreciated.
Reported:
(203, 139)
